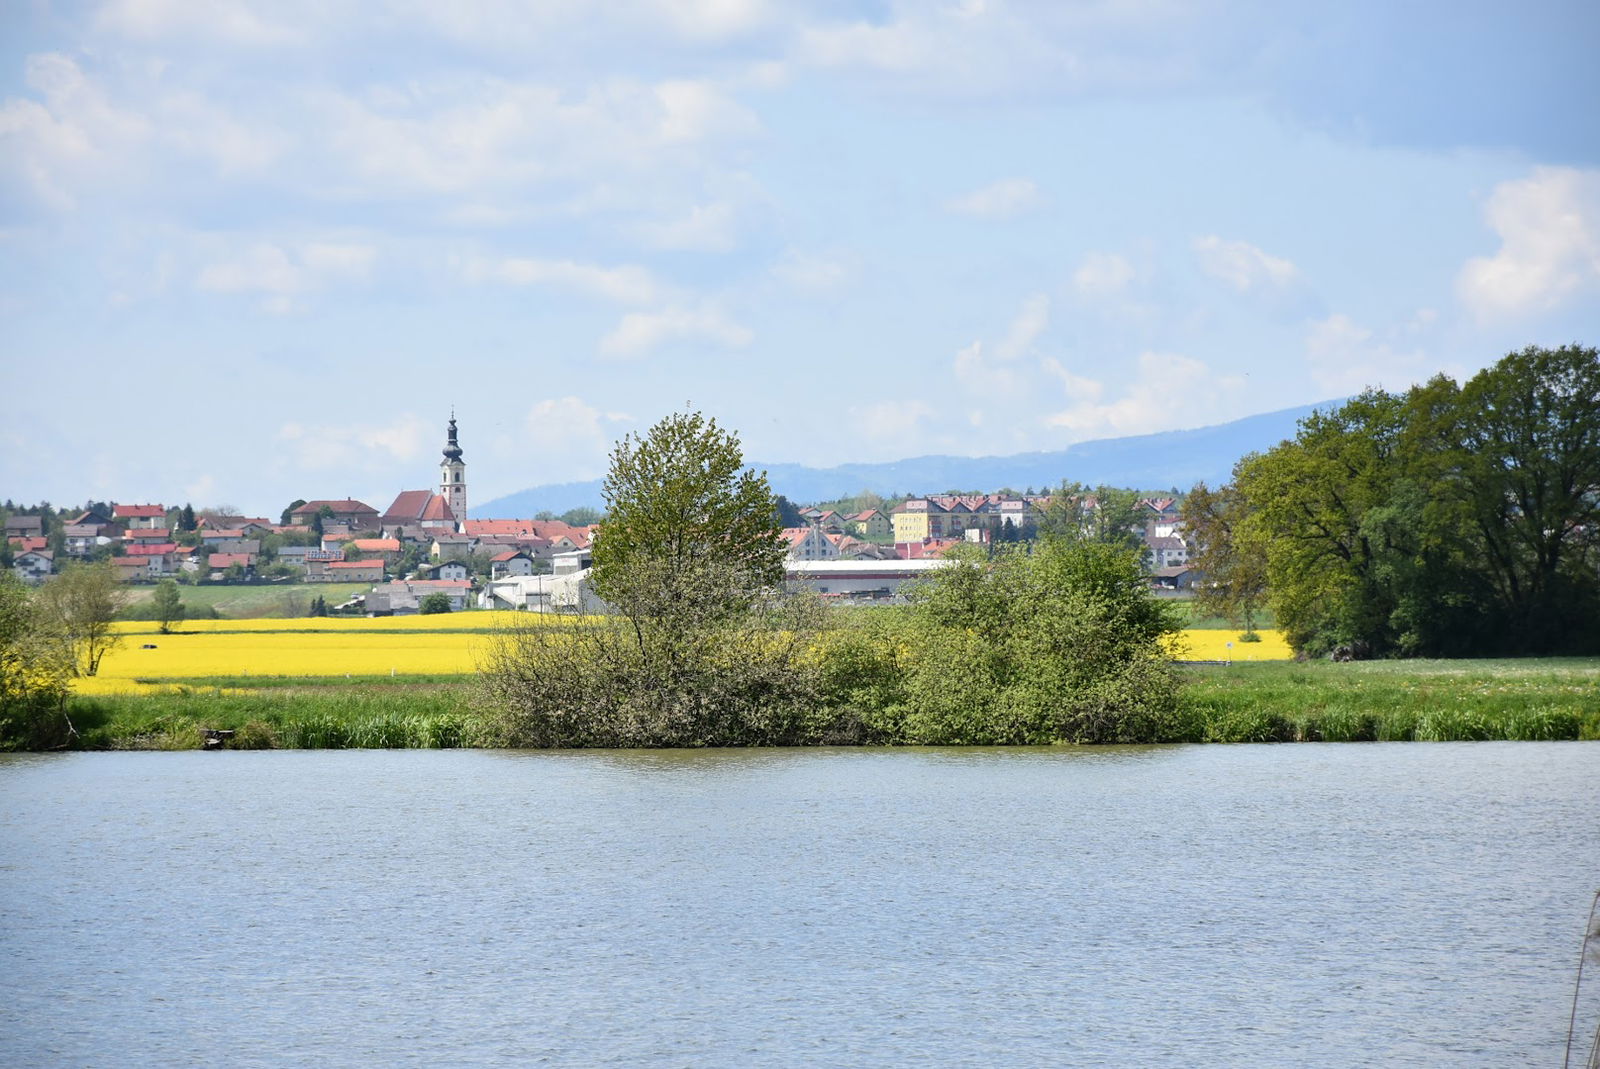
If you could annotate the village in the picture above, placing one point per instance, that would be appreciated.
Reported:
(424, 543)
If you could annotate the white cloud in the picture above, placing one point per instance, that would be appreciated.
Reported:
(1345, 357)
(363, 447)
(640, 332)
(627, 284)
(1102, 274)
(707, 228)
(1171, 391)
(896, 425)
(571, 436)
(811, 274)
(1005, 199)
(992, 370)
(1243, 266)
(1549, 227)
(284, 272)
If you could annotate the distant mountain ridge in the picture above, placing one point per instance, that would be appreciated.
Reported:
(1169, 459)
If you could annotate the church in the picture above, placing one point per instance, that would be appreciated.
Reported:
(444, 511)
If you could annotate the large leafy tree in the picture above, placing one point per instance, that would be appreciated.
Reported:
(688, 529)
(697, 651)
(1449, 520)
(1529, 467)
(76, 610)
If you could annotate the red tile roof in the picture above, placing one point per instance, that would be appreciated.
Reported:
(224, 560)
(136, 512)
(417, 506)
(160, 534)
(356, 564)
(377, 545)
(152, 549)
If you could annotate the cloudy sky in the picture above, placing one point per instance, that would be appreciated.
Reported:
(253, 251)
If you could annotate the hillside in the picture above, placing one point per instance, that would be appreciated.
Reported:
(1171, 459)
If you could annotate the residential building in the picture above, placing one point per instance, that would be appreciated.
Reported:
(139, 517)
(357, 514)
(344, 571)
(872, 523)
(511, 562)
(404, 596)
(31, 566)
(810, 543)
(24, 527)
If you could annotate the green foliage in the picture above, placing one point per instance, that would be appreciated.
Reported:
(433, 604)
(33, 676)
(75, 612)
(1106, 514)
(168, 605)
(1061, 644)
(688, 529)
(1445, 521)
(698, 652)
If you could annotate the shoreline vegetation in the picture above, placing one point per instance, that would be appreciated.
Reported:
(1310, 701)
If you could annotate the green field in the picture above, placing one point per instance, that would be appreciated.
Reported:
(249, 601)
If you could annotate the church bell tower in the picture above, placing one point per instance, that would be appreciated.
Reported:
(453, 477)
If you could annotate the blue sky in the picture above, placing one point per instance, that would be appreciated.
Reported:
(256, 251)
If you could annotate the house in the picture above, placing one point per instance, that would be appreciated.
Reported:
(421, 508)
(83, 539)
(221, 562)
(26, 545)
(830, 521)
(810, 543)
(556, 532)
(452, 546)
(450, 569)
(139, 517)
(404, 596)
(357, 514)
(130, 569)
(31, 566)
(387, 549)
(872, 523)
(511, 562)
(24, 527)
(1176, 577)
(1164, 552)
(247, 526)
(317, 562)
(345, 571)
(569, 592)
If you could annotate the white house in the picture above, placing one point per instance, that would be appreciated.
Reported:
(33, 565)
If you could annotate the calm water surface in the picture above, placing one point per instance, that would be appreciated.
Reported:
(1396, 905)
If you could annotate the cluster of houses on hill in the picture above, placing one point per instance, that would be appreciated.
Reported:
(539, 565)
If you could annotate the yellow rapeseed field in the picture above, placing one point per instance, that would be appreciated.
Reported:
(335, 646)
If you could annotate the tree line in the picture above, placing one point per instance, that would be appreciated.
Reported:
(1449, 520)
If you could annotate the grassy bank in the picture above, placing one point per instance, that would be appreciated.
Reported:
(1266, 702)
(1425, 701)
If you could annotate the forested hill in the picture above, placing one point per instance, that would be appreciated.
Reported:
(1147, 461)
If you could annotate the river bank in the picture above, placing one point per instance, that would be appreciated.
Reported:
(1423, 701)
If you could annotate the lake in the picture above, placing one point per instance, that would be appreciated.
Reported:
(1367, 904)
